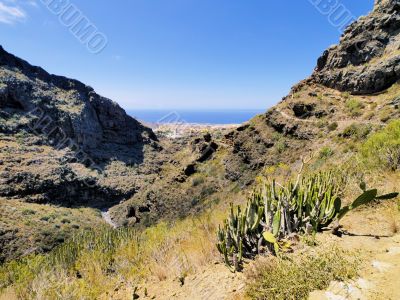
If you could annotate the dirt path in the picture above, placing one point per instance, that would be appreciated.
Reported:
(341, 123)
(375, 233)
(379, 278)
(214, 282)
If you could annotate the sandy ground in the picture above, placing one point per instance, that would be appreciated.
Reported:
(380, 275)
(214, 282)
(373, 232)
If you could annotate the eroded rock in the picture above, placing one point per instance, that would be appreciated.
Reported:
(367, 59)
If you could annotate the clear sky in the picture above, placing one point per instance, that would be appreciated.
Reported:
(169, 54)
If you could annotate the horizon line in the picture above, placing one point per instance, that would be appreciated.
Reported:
(197, 109)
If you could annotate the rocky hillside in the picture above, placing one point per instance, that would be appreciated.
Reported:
(115, 163)
(355, 83)
(367, 60)
(69, 110)
(336, 106)
(67, 153)
(59, 143)
(62, 124)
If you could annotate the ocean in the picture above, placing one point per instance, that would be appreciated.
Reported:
(195, 116)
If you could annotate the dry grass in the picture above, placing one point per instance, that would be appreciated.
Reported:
(394, 225)
(164, 251)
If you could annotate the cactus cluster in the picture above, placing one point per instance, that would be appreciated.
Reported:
(274, 212)
(241, 232)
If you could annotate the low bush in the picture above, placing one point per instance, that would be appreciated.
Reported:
(382, 149)
(385, 115)
(354, 107)
(356, 131)
(27, 212)
(197, 180)
(333, 126)
(295, 276)
(325, 153)
(281, 146)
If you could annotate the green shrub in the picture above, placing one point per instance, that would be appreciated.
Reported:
(333, 126)
(325, 153)
(356, 131)
(295, 277)
(281, 146)
(382, 149)
(45, 218)
(28, 211)
(346, 95)
(276, 136)
(197, 180)
(369, 115)
(354, 107)
(322, 123)
(385, 115)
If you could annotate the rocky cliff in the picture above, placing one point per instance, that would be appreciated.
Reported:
(337, 101)
(367, 59)
(68, 109)
(65, 145)
(78, 132)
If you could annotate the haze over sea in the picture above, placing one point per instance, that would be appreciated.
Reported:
(228, 116)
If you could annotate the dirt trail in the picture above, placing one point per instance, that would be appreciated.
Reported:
(214, 282)
(341, 123)
(379, 277)
(371, 231)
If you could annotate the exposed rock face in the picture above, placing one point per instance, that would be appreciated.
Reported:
(57, 135)
(205, 147)
(367, 60)
(68, 109)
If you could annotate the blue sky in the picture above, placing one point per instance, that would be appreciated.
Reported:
(170, 54)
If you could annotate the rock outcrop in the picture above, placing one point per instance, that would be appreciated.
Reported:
(367, 59)
(64, 145)
(59, 138)
(69, 112)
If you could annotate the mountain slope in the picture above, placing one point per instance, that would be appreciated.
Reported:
(353, 93)
(120, 165)
(98, 125)
(59, 143)
(329, 109)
